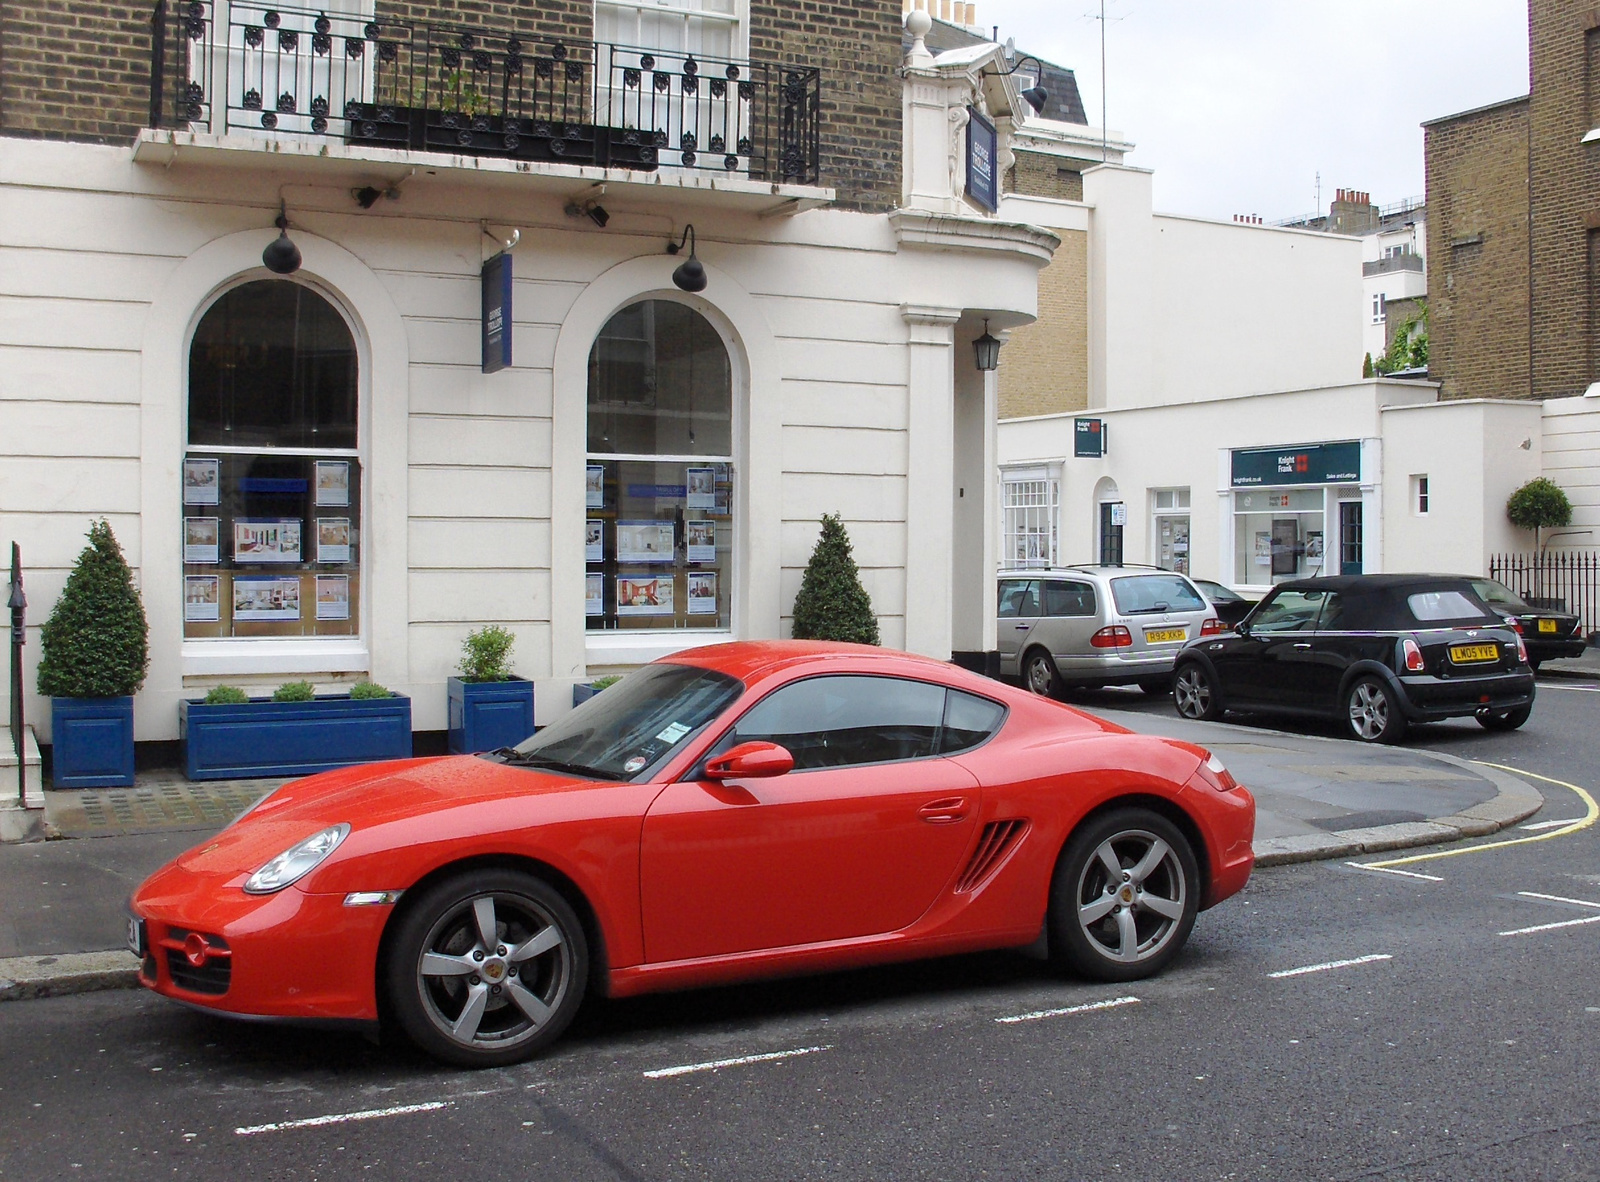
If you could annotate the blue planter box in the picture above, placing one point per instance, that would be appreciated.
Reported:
(582, 692)
(267, 738)
(489, 714)
(93, 742)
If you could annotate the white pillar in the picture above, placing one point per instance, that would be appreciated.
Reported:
(975, 512)
(930, 477)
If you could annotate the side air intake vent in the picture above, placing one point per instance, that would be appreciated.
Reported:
(996, 842)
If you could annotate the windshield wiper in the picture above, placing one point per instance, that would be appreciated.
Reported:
(545, 763)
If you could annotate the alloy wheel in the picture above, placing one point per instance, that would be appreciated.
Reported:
(1191, 692)
(1041, 677)
(1369, 711)
(1131, 896)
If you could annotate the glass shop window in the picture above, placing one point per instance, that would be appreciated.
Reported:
(1278, 535)
(658, 540)
(271, 475)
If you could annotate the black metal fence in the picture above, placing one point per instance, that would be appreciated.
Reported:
(1566, 580)
(282, 71)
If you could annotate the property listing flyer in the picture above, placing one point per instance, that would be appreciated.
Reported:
(702, 593)
(200, 539)
(333, 597)
(267, 597)
(644, 595)
(333, 483)
(266, 539)
(202, 599)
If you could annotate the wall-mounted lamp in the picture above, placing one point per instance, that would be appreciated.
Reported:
(690, 275)
(592, 210)
(987, 349)
(281, 257)
(1036, 95)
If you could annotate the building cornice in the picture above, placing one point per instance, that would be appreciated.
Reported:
(920, 230)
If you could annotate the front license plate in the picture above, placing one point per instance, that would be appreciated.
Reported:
(1467, 654)
(136, 936)
(1547, 625)
(1165, 635)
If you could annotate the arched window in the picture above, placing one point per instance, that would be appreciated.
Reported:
(660, 471)
(271, 474)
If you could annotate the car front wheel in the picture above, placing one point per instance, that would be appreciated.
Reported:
(1124, 897)
(1195, 694)
(1039, 674)
(1373, 713)
(1504, 720)
(486, 967)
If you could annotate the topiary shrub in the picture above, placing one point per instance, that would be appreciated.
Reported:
(1539, 504)
(486, 654)
(96, 641)
(362, 690)
(294, 691)
(832, 603)
(226, 695)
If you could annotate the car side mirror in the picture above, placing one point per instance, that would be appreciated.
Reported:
(750, 761)
(1242, 628)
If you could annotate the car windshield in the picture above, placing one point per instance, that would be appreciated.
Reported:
(1497, 594)
(1137, 594)
(626, 731)
(1218, 593)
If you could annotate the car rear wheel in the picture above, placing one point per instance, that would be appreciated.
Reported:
(486, 967)
(1504, 720)
(1039, 674)
(1372, 712)
(1125, 894)
(1195, 694)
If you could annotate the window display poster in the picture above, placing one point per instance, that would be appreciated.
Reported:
(200, 539)
(202, 598)
(595, 486)
(1314, 545)
(702, 490)
(261, 539)
(333, 482)
(594, 595)
(333, 597)
(644, 541)
(202, 482)
(644, 595)
(1263, 548)
(702, 593)
(333, 543)
(594, 540)
(269, 597)
(702, 541)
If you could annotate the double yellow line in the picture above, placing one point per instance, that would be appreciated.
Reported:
(1590, 816)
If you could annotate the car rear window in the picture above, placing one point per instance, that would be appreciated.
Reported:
(1443, 606)
(1155, 593)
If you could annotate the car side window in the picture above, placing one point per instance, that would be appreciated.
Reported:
(1332, 617)
(1288, 611)
(1068, 599)
(1018, 597)
(845, 720)
(968, 721)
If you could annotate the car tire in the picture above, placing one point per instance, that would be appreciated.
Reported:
(480, 1011)
(1504, 720)
(1127, 923)
(1156, 686)
(1039, 674)
(1195, 693)
(1372, 713)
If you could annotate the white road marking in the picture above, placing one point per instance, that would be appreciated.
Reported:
(1538, 825)
(1083, 1009)
(1547, 927)
(1391, 870)
(1559, 899)
(1582, 689)
(314, 1122)
(715, 1064)
(1332, 964)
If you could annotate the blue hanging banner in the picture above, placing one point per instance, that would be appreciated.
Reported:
(497, 313)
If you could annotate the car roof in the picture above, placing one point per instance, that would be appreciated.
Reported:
(1358, 583)
(1061, 572)
(751, 660)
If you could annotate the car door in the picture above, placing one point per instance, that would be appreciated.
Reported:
(1018, 614)
(1268, 663)
(857, 840)
(1069, 615)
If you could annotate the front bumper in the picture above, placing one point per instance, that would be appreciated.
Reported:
(1428, 698)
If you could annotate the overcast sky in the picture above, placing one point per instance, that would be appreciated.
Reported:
(1238, 104)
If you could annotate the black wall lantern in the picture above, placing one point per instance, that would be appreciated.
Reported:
(1036, 96)
(987, 349)
(281, 257)
(689, 275)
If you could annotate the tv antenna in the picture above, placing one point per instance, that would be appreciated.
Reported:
(1104, 122)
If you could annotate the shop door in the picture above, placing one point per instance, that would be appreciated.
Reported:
(1350, 538)
(1111, 518)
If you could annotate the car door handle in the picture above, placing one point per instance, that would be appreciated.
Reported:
(1023, 627)
(946, 811)
(1303, 644)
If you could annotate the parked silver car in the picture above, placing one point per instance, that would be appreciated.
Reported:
(1098, 625)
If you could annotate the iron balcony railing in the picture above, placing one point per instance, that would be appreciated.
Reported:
(274, 71)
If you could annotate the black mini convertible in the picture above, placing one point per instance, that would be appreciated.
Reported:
(1377, 652)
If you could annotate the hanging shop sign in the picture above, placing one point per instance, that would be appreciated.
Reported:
(1319, 463)
(983, 151)
(497, 313)
(1088, 438)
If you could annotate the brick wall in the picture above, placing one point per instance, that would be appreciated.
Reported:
(1044, 367)
(1041, 175)
(1477, 178)
(74, 69)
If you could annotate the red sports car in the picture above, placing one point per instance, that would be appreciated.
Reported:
(738, 811)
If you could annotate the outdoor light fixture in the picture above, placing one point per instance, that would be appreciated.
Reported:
(987, 349)
(1036, 95)
(281, 257)
(690, 275)
(592, 210)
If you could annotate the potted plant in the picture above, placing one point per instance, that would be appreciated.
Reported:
(832, 604)
(229, 735)
(583, 691)
(94, 652)
(490, 706)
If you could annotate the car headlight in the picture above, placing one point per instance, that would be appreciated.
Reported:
(296, 862)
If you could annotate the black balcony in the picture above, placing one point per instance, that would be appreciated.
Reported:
(295, 73)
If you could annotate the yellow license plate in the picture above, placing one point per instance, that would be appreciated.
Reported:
(1547, 625)
(1164, 635)
(1466, 654)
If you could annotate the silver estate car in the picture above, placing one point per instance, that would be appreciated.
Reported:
(1098, 625)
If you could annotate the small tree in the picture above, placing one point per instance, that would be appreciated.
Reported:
(1538, 505)
(832, 603)
(1366, 366)
(486, 654)
(96, 642)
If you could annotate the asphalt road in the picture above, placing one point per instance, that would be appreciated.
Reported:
(1459, 1045)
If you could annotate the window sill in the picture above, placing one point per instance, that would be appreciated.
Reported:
(217, 658)
(640, 648)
